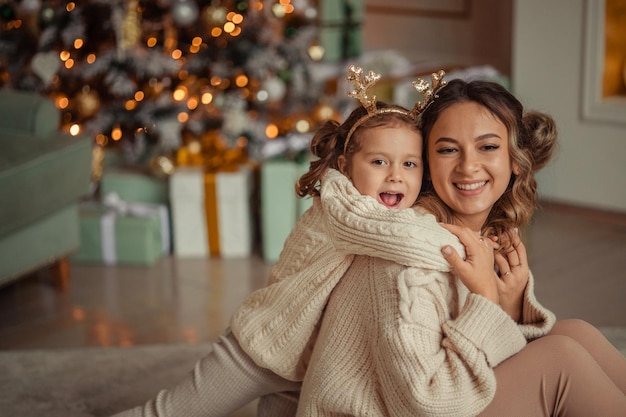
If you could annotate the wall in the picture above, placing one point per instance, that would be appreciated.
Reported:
(539, 43)
(547, 74)
(483, 37)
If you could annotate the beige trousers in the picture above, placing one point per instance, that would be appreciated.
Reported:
(573, 371)
(223, 381)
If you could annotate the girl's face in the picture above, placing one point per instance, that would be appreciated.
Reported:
(388, 166)
(470, 166)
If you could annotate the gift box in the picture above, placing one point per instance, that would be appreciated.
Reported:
(340, 29)
(280, 206)
(189, 225)
(211, 212)
(121, 233)
(134, 186)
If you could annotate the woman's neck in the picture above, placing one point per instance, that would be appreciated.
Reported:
(474, 224)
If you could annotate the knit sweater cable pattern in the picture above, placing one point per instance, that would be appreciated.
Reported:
(406, 341)
(276, 325)
(399, 336)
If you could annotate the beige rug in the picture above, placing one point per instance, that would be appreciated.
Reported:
(97, 382)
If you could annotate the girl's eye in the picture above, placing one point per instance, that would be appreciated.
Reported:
(411, 164)
(378, 162)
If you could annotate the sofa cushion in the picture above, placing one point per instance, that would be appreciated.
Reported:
(33, 246)
(38, 177)
(27, 112)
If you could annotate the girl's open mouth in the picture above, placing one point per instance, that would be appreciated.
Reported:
(391, 200)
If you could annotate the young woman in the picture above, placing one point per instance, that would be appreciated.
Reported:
(402, 338)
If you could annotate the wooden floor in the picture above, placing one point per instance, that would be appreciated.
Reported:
(578, 259)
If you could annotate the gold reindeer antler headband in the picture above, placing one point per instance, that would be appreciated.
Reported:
(363, 82)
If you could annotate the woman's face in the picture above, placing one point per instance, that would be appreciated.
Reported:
(470, 166)
(387, 166)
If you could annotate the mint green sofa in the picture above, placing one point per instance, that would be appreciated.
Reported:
(43, 174)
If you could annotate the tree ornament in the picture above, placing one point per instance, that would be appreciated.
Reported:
(241, 6)
(46, 16)
(276, 89)
(46, 65)
(324, 111)
(97, 163)
(184, 12)
(131, 26)
(162, 166)
(214, 15)
(87, 102)
(316, 51)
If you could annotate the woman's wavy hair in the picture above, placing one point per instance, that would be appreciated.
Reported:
(532, 142)
(328, 143)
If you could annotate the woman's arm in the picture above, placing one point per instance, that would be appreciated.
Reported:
(437, 363)
(513, 291)
(536, 321)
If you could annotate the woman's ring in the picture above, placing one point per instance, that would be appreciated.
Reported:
(481, 239)
(507, 273)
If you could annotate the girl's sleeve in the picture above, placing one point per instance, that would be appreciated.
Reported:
(277, 325)
(433, 364)
(359, 225)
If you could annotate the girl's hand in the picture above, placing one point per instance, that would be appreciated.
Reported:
(477, 271)
(514, 275)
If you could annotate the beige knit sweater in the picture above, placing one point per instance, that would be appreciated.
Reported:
(276, 325)
(400, 336)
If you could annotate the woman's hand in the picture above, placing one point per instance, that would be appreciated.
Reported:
(514, 275)
(477, 270)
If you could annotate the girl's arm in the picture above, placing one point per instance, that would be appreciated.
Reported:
(358, 224)
(276, 325)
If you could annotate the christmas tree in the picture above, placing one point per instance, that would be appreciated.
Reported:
(152, 77)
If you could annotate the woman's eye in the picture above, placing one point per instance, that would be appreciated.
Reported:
(490, 147)
(446, 150)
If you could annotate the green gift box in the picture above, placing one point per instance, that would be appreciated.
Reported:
(340, 29)
(280, 207)
(134, 186)
(137, 234)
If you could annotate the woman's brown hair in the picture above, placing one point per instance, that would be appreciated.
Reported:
(532, 141)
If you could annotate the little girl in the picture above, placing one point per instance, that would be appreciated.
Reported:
(380, 147)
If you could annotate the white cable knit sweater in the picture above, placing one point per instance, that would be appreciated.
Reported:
(400, 336)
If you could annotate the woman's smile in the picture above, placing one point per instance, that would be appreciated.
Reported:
(470, 186)
(470, 165)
